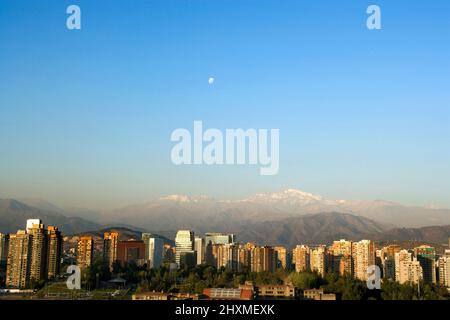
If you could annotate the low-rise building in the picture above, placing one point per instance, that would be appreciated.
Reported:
(318, 294)
(228, 294)
(164, 296)
(270, 290)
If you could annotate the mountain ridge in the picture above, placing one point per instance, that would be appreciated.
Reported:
(290, 230)
(272, 206)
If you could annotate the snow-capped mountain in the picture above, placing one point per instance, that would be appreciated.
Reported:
(289, 196)
(287, 217)
(202, 212)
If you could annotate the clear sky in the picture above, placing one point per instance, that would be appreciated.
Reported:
(86, 115)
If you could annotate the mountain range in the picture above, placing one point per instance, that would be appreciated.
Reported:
(284, 218)
(200, 211)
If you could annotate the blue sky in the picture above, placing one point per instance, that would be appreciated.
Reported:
(86, 115)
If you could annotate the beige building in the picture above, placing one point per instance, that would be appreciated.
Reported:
(444, 270)
(363, 254)
(164, 296)
(407, 269)
(263, 259)
(400, 257)
(228, 256)
(301, 258)
(319, 259)
(276, 291)
(199, 248)
(410, 272)
(318, 294)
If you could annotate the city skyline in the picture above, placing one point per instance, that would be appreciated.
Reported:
(34, 257)
(86, 115)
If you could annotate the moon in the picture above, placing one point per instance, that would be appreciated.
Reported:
(211, 80)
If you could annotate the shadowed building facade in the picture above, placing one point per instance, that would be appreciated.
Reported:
(131, 252)
(110, 243)
(54, 251)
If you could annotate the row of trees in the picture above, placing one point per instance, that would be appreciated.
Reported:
(194, 280)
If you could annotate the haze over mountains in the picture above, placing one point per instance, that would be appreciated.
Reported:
(13, 216)
(190, 211)
(286, 218)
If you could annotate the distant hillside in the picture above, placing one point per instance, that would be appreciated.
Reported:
(434, 234)
(13, 216)
(312, 228)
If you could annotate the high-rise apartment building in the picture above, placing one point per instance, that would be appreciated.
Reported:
(410, 272)
(426, 255)
(301, 258)
(228, 256)
(391, 250)
(407, 268)
(199, 248)
(54, 251)
(444, 270)
(38, 263)
(341, 257)
(34, 255)
(389, 267)
(19, 260)
(346, 265)
(387, 260)
(154, 250)
(341, 248)
(210, 258)
(319, 260)
(399, 258)
(184, 242)
(110, 244)
(363, 254)
(263, 259)
(85, 252)
(281, 253)
(245, 257)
